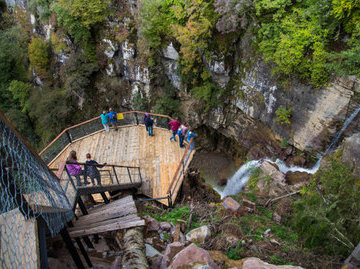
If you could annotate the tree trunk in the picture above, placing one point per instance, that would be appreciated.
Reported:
(134, 249)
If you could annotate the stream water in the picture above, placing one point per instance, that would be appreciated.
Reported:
(238, 181)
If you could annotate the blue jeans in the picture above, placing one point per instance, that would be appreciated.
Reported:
(150, 130)
(174, 135)
(181, 140)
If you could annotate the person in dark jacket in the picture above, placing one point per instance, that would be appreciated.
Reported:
(91, 170)
(146, 115)
(149, 122)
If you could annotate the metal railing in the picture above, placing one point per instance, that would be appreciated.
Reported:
(110, 175)
(93, 125)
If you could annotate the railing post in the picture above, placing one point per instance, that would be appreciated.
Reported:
(137, 119)
(140, 175)
(117, 180)
(68, 136)
(129, 174)
(170, 200)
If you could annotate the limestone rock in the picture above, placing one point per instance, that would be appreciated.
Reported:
(193, 257)
(171, 250)
(199, 235)
(255, 263)
(351, 151)
(152, 224)
(230, 203)
(150, 251)
(165, 226)
(271, 182)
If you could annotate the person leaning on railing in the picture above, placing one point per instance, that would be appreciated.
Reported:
(91, 170)
(74, 169)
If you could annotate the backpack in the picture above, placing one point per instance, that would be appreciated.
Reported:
(113, 116)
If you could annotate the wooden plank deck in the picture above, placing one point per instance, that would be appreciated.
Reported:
(120, 214)
(157, 156)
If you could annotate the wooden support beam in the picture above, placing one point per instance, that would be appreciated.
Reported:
(71, 248)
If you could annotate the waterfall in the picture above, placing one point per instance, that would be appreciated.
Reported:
(237, 182)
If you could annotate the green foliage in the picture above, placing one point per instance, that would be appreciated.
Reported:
(88, 13)
(235, 253)
(51, 111)
(326, 216)
(283, 115)
(140, 102)
(174, 215)
(13, 63)
(284, 143)
(79, 73)
(41, 7)
(39, 56)
(21, 93)
(346, 62)
(208, 94)
(167, 103)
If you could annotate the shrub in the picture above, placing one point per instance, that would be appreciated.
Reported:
(326, 215)
(283, 115)
(21, 93)
(39, 56)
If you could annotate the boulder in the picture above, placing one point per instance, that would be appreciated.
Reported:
(152, 224)
(230, 203)
(271, 182)
(193, 257)
(150, 251)
(165, 226)
(171, 250)
(351, 151)
(255, 263)
(199, 235)
(293, 178)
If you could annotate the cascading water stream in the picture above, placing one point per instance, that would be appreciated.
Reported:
(237, 182)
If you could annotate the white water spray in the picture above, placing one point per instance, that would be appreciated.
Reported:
(237, 182)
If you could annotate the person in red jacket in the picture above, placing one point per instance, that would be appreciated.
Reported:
(174, 127)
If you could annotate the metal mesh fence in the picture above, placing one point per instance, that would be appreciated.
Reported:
(59, 144)
(28, 191)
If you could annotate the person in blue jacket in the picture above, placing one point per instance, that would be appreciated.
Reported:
(105, 120)
(190, 134)
(113, 118)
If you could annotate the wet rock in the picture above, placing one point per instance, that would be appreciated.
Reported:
(293, 178)
(152, 224)
(298, 160)
(231, 204)
(193, 256)
(156, 262)
(255, 263)
(222, 181)
(150, 251)
(199, 235)
(271, 182)
(171, 250)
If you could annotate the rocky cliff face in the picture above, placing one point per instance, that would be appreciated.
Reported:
(248, 116)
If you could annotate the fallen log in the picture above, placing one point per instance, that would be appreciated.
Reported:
(134, 249)
(270, 201)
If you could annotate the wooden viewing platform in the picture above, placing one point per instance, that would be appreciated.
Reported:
(157, 157)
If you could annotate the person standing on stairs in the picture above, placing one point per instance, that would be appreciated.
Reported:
(189, 135)
(174, 127)
(144, 119)
(181, 133)
(74, 169)
(92, 171)
(105, 120)
(113, 118)
(149, 122)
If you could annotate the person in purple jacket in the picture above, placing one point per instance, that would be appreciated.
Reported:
(74, 169)
(174, 127)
